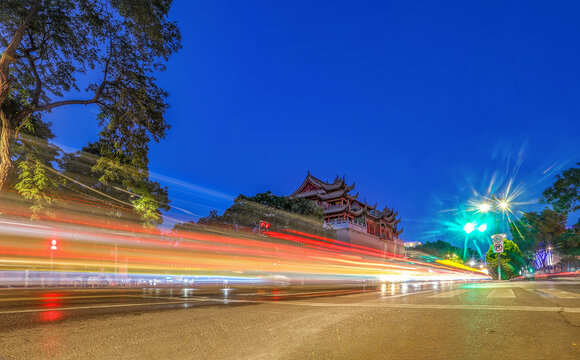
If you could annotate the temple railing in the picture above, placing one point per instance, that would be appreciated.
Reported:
(345, 224)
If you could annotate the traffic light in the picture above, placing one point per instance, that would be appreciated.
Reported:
(264, 225)
(53, 245)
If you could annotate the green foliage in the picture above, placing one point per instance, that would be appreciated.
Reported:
(569, 242)
(212, 218)
(570, 262)
(548, 228)
(116, 45)
(456, 258)
(34, 155)
(294, 205)
(512, 261)
(282, 212)
(185, 226)
(564, 194)
(129, 193)
(34, 183)
(445, 250)
(151, 199)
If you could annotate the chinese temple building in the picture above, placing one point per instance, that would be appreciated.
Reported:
(355, 221)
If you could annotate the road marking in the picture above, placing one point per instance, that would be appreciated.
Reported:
(104, 306)
(425, 306)
(42, 298)
(502, 294)
(448, 294)
(407, 294)
(315, 304)
(560, 294)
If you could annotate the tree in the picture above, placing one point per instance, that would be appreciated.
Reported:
(295, 205)
(512, 260)
(445, 250)
(212, 218)
(282, 212)
(535, 231)
(564, 194)
(51, 47)
(34, 157)
(185, 226)
(127, 193)
(569, 243)
(279, 210)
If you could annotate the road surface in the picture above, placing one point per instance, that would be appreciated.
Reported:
(508, 320)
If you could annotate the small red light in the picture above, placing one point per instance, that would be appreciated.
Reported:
(267, 225)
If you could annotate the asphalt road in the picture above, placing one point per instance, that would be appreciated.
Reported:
(508, 320)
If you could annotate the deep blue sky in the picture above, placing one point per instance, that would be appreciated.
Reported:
(415, 101)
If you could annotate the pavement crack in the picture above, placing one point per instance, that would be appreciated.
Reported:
(561, 312)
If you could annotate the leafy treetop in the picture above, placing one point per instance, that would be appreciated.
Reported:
(564, 194)
(53, 48)
(512, 260)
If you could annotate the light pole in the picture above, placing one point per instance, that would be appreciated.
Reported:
(504, 206)
(496, 231)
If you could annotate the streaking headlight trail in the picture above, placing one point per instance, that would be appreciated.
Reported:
(80, 248)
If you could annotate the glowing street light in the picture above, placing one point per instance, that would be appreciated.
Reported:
(482, 227)
(504, 205)
(469, 227)
(484, 207)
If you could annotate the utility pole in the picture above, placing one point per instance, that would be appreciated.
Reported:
(496, 231)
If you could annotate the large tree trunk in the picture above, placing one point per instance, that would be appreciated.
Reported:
(6, 129)
(6, 134)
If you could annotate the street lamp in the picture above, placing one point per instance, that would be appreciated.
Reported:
(503, 204)
(469, 227)
(484, 207)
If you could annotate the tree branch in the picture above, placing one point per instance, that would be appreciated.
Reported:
(8, 56)
(31, 62)
(94, 100)
(56, 104)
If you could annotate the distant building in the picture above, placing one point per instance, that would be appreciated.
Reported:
(356, 222)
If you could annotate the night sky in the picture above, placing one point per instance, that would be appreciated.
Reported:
(419, 103)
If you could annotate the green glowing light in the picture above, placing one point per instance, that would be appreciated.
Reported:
(469, 227)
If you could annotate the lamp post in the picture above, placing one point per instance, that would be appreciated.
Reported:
(496, 231)
(504, 206)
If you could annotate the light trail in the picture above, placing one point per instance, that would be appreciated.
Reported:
(124, 253)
